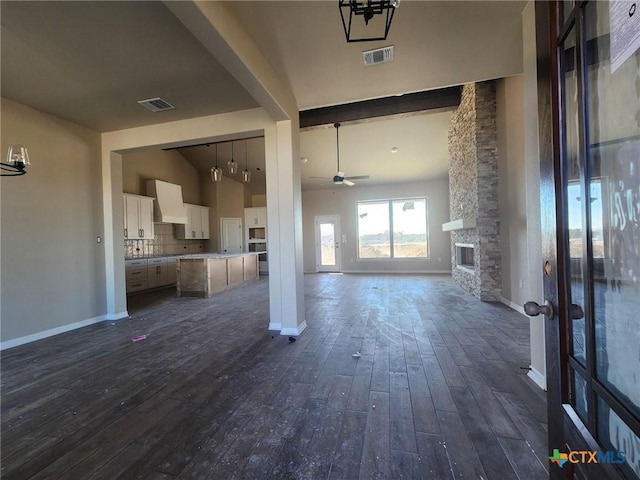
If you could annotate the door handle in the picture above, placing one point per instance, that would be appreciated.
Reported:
(576, 312)
(533, 309)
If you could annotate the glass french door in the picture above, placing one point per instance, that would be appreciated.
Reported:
(599, 140)
(327, 243)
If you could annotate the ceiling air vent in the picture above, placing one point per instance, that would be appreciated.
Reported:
(379, 55)
(156, 104)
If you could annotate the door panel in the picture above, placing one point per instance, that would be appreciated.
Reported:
(593, 349)
(327, 243)
(231, 235)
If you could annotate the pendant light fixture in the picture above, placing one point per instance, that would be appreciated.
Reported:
(17, 161)
(369, 10)
(246, 174)
(216, 172)
(233, 166)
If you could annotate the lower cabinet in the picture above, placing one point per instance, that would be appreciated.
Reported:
(136, 275)
(148, 273)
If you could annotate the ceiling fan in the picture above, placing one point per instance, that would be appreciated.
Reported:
(339, 178)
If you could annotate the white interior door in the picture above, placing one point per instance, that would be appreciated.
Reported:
(230, 235)
(327, 243)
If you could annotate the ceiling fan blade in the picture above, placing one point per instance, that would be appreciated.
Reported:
(358, 177)
(348, 183)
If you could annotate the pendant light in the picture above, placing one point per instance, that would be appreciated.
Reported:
(216, 172)
(233, 166)
(17, 161)
(246, 174)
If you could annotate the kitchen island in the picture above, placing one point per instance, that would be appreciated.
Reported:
(202, 275)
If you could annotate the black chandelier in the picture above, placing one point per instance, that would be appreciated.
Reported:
(368, 10)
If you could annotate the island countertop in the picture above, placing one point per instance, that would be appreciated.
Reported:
(215, 255)
(203, 274)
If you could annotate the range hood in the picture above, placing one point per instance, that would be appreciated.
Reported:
(168, 206)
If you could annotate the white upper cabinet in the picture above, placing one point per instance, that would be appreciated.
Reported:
(255, 217)
(138, 217)
(197, 226)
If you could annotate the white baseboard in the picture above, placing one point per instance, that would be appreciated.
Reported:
(514, 306)
(538, 378)
(275, 326)
(533, 374)
(58, 330)
(294, 331)
(116, 316)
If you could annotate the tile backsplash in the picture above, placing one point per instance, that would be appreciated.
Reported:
(164, 243)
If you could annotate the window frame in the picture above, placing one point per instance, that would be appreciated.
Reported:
(390, 202)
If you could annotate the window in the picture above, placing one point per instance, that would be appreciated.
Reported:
(393, 228)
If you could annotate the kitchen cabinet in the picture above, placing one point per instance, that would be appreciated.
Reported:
(147, 273)
(138, 217)
(156, 272)
(255, 223)
(136, 275)
(197, 226)
(255, 216)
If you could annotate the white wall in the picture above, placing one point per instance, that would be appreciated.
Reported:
(532, 175)
(512, 201)
(52, 270)
(342, 201)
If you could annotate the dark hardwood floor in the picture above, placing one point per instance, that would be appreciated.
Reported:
(438, 392)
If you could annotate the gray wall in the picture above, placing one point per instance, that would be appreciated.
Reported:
(168, 166)
(52, 268)
(342, 201)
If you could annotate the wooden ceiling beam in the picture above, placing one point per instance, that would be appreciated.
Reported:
(444, 98)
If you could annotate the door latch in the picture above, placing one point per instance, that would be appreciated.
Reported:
(533, 309)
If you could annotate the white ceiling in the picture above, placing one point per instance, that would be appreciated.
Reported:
(90, 62)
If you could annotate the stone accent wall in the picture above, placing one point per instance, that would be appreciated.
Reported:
(473, 188)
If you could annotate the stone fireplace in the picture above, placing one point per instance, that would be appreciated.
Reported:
(473, 193)
(464, 256)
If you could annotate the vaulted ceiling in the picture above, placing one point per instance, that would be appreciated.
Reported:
(91, 62)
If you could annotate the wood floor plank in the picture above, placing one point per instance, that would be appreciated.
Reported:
(380, 369)
(534, 433)
(491, 407)
(484, 441)
(346, 460)
(438, 386)
(424, 413)
(404, 465)
(375, 451)
(523, 460)
(361, 385)
(433, 457)
(213, 394)
(292, 457)
(463, 458)
(401, 427)
(448, 366)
